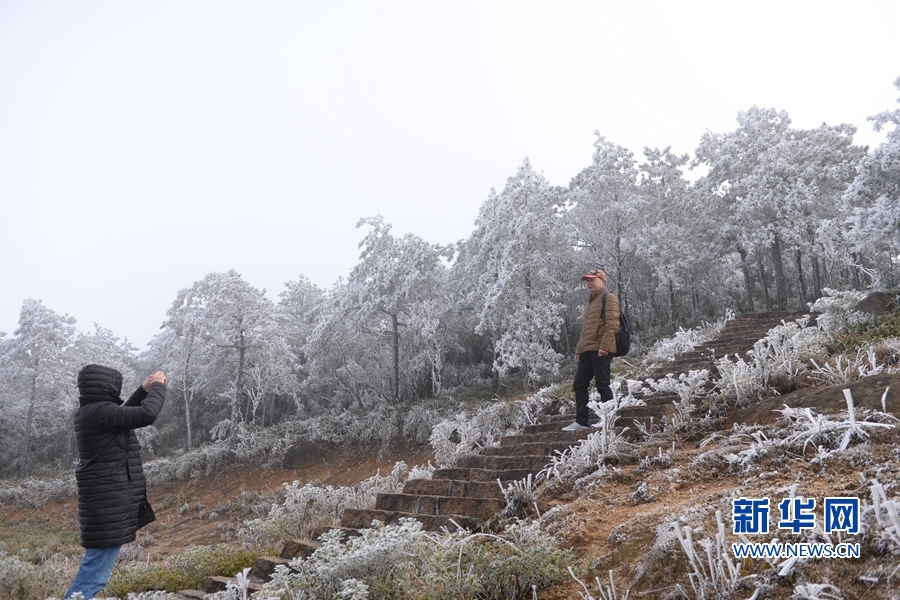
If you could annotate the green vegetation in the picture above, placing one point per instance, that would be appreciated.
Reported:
(36, 541)
(187, 571)
(870, 331)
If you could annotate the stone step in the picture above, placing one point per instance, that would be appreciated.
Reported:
(502, 463)
(748, 341)
(190, 595)
(658, 399)
(483, 474)
(297, 548)
(555, 435)
(775, 315)
(452, 487)
(264, 566)
(363, 518)
(643, 412)
(528, 448)
(555, 426)
(480, 508)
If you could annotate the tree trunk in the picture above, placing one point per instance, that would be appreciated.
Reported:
(781, 292)
(802, 283)
(856, 274)
(765, 283)
(23, 465)
(236, 403)
(672, 306)
(748, 283)
(817, 277)
(188, 396)
(396, 343)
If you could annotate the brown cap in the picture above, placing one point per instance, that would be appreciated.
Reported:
(593, 274)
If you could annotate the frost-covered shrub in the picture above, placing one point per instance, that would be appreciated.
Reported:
(801, 430)
(35, 493)
(687, 386)
(665, 350)
(826, 433)
(590, 453)
(739, 381)
(604, 592)
(421, 472)
(836, 310)
(881, 520)
(466, 433)
(844, 369)
(22, 580)
(154, 595)
(419, 422)
(310, 507)
(379, 428)
(518, 495)
(404, 561)
(816, 591)
(782, 356)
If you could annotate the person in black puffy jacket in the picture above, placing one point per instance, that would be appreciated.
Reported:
(112, 492)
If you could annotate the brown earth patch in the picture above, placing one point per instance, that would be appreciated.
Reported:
(208, 510)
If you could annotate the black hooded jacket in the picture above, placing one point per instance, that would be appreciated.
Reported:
(110, 476)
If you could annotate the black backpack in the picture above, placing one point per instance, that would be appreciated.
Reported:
(623, 336)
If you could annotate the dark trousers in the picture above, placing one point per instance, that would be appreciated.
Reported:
(591, 366)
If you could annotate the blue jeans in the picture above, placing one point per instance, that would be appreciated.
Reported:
(94, 571)
(591, 366)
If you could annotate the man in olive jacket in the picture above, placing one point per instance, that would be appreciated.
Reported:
(595, 347)
(112, 492)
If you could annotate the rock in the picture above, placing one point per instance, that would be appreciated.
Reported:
(876, 303)
(830, 400)
(299, 548)
(304, 454)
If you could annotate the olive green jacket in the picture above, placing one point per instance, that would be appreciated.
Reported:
(599, 331)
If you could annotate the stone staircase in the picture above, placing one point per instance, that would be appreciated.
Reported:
(469, 495)
(736, 339)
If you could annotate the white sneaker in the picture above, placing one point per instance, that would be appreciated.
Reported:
(575, 426)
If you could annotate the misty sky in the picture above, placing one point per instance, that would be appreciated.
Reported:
(146, 144)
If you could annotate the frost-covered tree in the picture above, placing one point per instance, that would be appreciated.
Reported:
(732, 159)
(608, 214)
(217, 333)
(515, 270)
(794, 195)
(184, 353)
(300, 308)
(39, 368)
(775, 190)
(873, 200)
(676, 251)
(356, 351)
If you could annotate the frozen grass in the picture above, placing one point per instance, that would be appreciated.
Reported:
(469, 432)
(307, 508)
(665, 350)
(405, 561)
(713, 574)
(590, 454)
